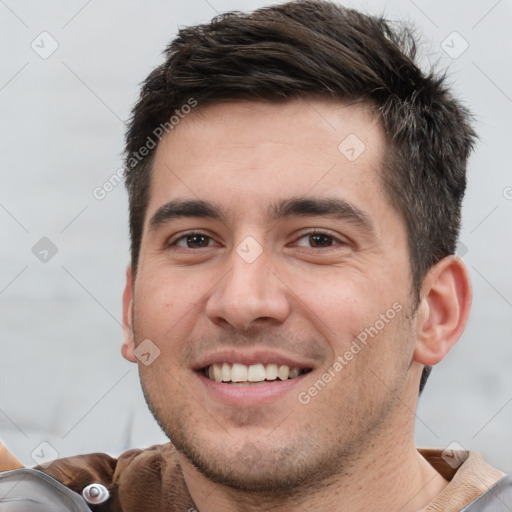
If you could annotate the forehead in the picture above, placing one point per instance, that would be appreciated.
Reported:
(249, 154)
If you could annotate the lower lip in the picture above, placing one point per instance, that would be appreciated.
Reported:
(250, 394)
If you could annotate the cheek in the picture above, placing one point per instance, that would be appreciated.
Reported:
(341, 303)
(364, 321)
(165, 307)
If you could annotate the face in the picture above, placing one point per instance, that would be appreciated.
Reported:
(272, 302)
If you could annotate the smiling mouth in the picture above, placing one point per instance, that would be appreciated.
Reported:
(243, 374)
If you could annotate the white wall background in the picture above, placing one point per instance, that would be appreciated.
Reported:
(62, 378)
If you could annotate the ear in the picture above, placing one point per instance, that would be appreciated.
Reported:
(443, 311)
(129, 343)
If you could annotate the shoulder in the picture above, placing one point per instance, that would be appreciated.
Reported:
(497, 499)
(149, 479)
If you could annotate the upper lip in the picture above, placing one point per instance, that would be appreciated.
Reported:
(248, 357)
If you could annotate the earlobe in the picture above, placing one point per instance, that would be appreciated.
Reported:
(443, 311)
(128, 347)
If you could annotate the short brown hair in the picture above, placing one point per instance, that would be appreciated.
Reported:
(315, 48)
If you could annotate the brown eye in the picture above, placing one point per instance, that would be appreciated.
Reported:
(196, 241)
(192, 241)
(320, 240)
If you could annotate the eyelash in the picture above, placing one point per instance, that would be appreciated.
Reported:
(184, 236)
(335, 239)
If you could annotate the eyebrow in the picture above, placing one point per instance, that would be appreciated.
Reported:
(292, 207)
(184, 208)
(323, 207)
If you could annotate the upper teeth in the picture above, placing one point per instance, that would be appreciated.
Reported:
(237, 372)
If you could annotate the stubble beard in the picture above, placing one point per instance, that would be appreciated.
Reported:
(277, 467)
(295, 465)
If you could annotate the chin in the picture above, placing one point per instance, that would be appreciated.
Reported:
(254, 460)
(252, 467)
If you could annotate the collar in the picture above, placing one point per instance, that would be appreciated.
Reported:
(468, 474)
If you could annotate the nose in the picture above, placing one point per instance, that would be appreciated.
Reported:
(250, 294)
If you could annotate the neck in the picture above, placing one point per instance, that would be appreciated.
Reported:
(394, 478)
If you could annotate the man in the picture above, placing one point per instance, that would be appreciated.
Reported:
(295, 186)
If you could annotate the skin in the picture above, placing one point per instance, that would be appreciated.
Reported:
(306, 297)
